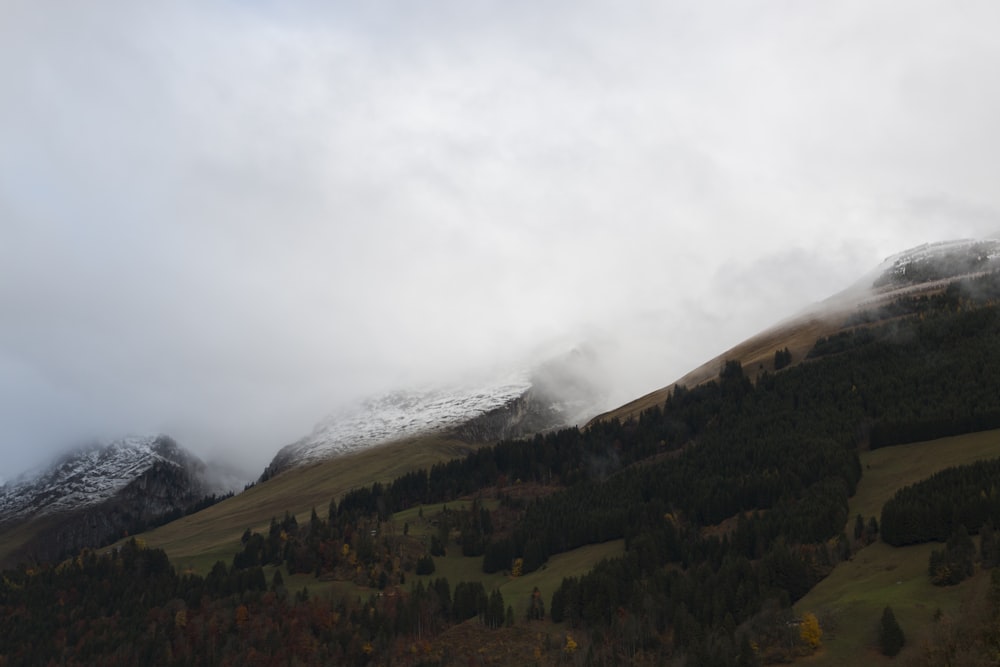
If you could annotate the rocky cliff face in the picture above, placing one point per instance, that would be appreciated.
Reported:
(99, 494)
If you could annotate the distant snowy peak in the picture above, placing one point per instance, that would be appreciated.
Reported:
(565, 390)
(397, 415)
(932, 262)
(90, 476)
(408, 413)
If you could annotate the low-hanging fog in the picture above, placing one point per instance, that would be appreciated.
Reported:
(220, 220)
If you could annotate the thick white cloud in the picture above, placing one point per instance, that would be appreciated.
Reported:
(221, 219)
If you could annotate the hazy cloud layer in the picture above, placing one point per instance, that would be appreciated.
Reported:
(222, 219)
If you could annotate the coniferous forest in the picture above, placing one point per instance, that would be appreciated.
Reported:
(731, 498)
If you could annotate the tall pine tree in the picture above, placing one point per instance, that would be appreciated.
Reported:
(890, 635)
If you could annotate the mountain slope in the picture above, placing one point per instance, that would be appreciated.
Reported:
(93, 495)
(198, 540)
(729, 496)
(921, 271)
(731, 499)
(314, 484)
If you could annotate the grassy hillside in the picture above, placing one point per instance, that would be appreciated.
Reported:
(516, 590)
(784, 452)
(15, 539)
(850, 601)
(886, 470)
(785, 444)
(195, 542)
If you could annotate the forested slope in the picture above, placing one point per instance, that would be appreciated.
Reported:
(732, 497)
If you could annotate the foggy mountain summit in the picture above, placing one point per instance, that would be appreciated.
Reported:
(630, 508)
(98, 493)
(339, 182)
(922, 270)
(567, 390)
(93, 474)
(563, 391)
(931, 262)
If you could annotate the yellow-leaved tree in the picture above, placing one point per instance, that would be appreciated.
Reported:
(810, 632)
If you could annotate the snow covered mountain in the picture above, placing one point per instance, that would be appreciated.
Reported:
(95, 494)
(90, 476)
(561, 392)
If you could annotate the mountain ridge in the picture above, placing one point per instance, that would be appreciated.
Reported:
(93, 495)
(941, 264)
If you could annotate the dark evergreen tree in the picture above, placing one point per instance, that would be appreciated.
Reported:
(872, 529)
(782, 358)
(890, 635)
(425, 565)
(495, 614)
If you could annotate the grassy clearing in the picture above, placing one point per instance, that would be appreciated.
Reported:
(850, 601)
(517, 590)
(886, 470)
(423, 526)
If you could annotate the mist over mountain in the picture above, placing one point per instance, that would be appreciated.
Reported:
(285, 232)
(735, 489)
(563, 391)
(276, 211)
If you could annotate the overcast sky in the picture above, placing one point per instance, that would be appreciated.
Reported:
(221, 220)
